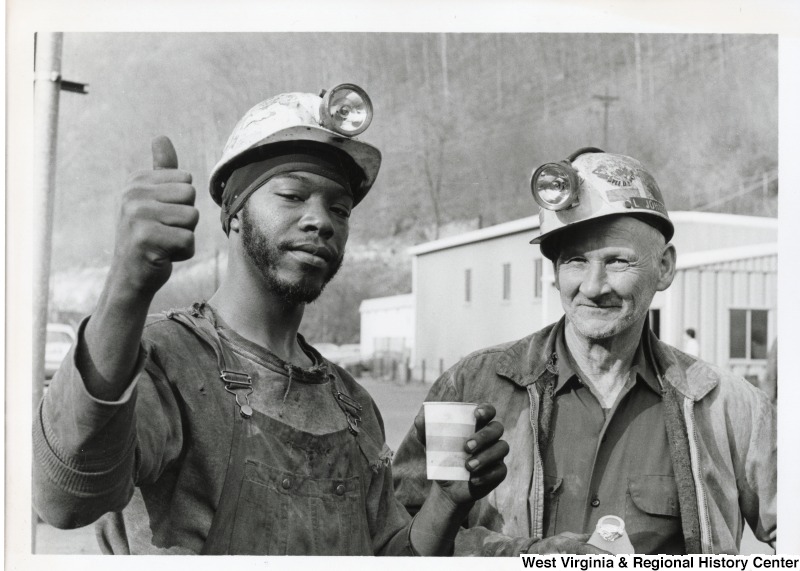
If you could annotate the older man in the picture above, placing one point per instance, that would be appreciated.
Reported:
(217, 429)
(603, 418)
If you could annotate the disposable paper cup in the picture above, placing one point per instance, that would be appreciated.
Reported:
(447, 427)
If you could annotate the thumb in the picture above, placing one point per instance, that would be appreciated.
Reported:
(164, 155)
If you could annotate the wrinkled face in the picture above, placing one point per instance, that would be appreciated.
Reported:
(608, 271)
(294, 231)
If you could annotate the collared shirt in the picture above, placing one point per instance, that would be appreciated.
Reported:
(611, 461)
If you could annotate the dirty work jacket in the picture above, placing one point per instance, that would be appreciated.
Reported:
(722, 441)
(154, 462)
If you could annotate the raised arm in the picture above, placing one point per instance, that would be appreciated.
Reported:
(156, 228)
(85, 444)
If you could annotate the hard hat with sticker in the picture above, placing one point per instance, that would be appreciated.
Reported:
(591, 184)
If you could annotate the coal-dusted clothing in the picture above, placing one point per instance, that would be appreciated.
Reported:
(721, 433)
(151, 465)
(612, 461)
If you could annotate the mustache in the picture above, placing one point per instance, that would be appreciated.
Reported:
(610, 301)
(317, 248)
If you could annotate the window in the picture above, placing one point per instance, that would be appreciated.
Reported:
(537, 278)
(467, 286)
(748, 333)
(506, 282)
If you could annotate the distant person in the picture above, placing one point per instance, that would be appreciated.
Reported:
(217, 429)
(690, 344)
(602, 417)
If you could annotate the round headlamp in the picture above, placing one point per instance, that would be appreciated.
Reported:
(555, 186)
(346, 109)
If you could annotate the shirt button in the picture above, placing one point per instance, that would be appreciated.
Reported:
(286, 484)
(340, 490)
(595, 502)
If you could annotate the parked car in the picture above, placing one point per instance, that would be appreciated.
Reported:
(342, 355)
(60, 338)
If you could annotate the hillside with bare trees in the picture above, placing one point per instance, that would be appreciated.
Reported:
(461, 119)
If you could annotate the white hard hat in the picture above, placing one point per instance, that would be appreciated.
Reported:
(331, 119)
(591, 184)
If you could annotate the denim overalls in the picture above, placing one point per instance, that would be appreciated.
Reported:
(286, 491)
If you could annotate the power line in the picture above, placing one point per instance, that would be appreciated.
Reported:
(770, 177)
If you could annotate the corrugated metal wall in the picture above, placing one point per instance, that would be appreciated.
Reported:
(702, 297)
(448, 327)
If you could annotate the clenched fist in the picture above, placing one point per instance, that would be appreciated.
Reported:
(156, 225)
(486, 461)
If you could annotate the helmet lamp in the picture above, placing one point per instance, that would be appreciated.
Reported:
(346, 109)
(555, 186)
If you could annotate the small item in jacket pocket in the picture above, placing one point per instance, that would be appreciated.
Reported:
(610, 536)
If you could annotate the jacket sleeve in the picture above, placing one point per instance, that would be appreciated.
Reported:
(89, 454)
(757, 474)
(412, 487)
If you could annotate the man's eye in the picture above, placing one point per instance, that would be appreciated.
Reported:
(341, 211)
(290, 196)
(619, 263)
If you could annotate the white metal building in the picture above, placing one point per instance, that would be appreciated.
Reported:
(490, 285)
(387, 325)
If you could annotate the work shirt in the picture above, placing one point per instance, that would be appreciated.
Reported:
(721, 433)
(153, 463)
(611, 461)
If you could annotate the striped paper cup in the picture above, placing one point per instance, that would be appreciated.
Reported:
(447, 427)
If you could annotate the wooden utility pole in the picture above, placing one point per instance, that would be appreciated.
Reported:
(606, 100)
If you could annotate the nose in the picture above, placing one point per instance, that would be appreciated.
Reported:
(317, 218)
(594, 282)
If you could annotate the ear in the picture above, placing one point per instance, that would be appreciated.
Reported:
(234, 224)
(666, 267)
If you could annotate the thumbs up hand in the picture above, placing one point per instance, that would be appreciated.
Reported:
(156, 225)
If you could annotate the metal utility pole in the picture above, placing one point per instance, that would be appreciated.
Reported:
(47, 86)
(47, 70)
(606, 100)
(47, 76)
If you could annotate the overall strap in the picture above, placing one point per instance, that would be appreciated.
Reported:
(231, 372)
(375, 453)
(236, 379)
(350, 406)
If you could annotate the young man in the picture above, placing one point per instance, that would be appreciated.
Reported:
(602, 417)
(218, 429)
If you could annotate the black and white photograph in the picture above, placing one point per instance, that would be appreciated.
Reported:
(474, 289)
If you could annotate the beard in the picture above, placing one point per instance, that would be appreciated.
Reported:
(266, 254)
